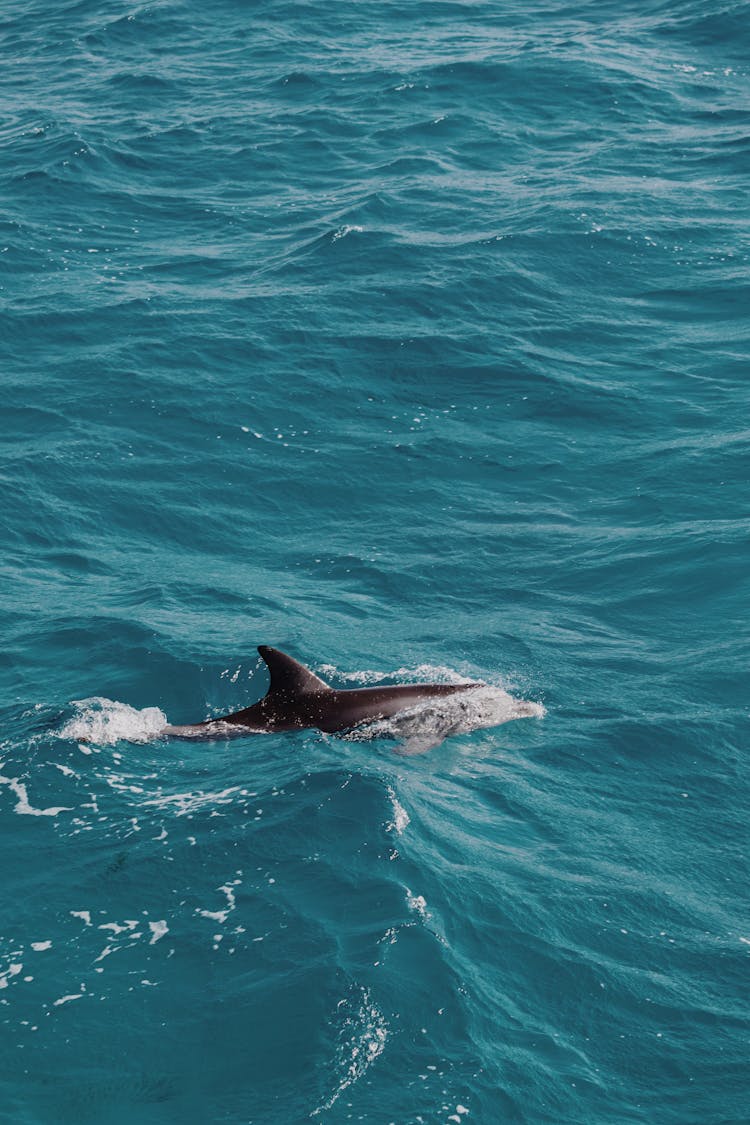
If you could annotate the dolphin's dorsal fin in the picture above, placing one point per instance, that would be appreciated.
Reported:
(288, 676)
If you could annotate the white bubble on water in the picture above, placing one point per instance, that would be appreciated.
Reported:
(417, 903)
(362, 1041)
(400, 815)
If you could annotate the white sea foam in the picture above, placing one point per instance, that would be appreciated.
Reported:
(342, 232)
(186, 803)
(417, 903)
(222, 915)
(128, 925)
(105, 722)
(23, 806)
(400, 815)
(158, 930)
(12, 971)
(363, 1039)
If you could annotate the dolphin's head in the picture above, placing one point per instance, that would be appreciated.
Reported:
(524, 709)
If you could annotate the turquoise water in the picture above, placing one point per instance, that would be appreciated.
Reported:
(411, 339)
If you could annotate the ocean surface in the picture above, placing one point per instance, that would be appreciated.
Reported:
(411, 339)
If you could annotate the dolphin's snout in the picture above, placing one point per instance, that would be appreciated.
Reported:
(524, 708)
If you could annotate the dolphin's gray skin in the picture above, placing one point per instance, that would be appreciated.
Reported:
(297, 698)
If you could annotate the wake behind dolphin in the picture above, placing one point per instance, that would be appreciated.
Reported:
(298, 699)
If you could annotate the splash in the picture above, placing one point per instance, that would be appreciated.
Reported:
(105, 722)
(427, 725)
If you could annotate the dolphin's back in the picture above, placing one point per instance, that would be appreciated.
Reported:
(297, 698)
(342, 710)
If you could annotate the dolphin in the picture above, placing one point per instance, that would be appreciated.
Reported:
(298, 699)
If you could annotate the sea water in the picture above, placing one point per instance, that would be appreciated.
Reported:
(411, 339)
